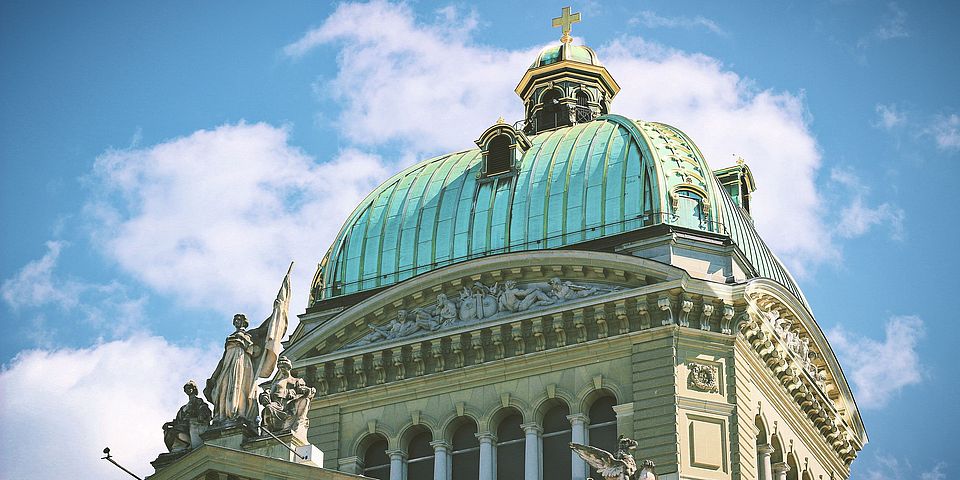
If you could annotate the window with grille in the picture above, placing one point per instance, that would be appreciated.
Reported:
(552, 114)
(584, 114)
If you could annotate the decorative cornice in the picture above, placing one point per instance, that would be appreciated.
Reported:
(778, 342)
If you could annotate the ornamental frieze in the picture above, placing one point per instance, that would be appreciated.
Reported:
(476, 303)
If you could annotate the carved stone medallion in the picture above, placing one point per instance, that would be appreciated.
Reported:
(703, 377)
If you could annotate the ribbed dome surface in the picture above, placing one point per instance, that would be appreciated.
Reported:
(566, 51)
(574, 184)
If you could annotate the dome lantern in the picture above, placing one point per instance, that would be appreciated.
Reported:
(566, 84)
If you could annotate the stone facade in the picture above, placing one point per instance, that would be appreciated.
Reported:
(678, 354)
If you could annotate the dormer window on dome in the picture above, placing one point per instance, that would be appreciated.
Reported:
(566, 84)
(501, 146)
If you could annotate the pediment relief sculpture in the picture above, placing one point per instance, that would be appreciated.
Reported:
(479, 302)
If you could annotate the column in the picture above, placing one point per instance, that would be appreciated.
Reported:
(766, 470)
(441, 459)
(397, 459)
(578, 434)
(531, 451)
(487, 466)
(780, 470)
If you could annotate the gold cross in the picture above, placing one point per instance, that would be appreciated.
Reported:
(564, 21)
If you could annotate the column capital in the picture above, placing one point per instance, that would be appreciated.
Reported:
(765, 449)
(781, 467)
(397, 454)
(531, 427)
(440, 445)
(580, 418)
(486, 437)
(623, 410)
(350, 461)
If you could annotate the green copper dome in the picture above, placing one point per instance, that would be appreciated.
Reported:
(573, 184)
(566, 51)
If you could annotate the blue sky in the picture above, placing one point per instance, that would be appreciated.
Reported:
(161, 164)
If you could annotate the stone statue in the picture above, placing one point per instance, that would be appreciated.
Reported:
(401, 326)
(183, 432)
(514, 299)
(247, 355)
(286, 402)
(425, 319)
(446, 309)
(616, 466)
(565, 290)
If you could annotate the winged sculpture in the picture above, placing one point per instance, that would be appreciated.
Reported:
(616, 466)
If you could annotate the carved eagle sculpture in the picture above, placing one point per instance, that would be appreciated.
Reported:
(616, 466)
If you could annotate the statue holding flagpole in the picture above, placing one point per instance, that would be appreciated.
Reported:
(247, 356)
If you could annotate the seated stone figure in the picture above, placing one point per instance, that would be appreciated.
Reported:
(286, 402)
(183, 432)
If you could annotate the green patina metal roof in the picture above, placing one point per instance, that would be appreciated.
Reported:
(566, 51)
(573, 184)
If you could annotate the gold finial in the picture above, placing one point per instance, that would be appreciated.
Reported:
(564, 21)
(501, 121)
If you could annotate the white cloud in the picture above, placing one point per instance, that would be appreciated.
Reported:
(431, 90)
(946, 131)
(108, 309)
(894, 25)
(858, 217)
(213, 218)
(889, 117)
(936, 473)
(66, 405)
(426, 86)
(888, 467)
(34, 285)
(650, 19)
(881, 369)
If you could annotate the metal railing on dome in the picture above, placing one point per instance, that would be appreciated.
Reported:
(558, 240)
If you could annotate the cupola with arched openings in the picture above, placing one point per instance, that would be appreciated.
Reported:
(565, 85)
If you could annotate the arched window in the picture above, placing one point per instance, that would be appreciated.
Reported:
(690, 209)
(420, 457)
(556, 443)
(794, 472)
(499, 155)
(376, 463)
(761, 442)
(465, 454)
(602, 432)
(510, 447)
(584, 114)
(552, 114)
